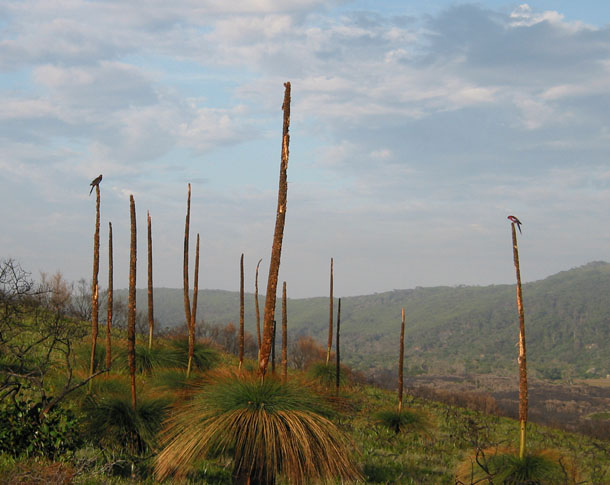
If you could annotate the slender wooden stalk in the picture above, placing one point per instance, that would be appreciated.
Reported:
(338, 369)
(193, 322)
(330, 315)
(401, 359)
(185, 277)
(276, 250)
(110, 297)
(284, 336)
(241, 311)
(94, 284)
(258, 312)
(273, 348)
(151, 317)
(131, 304)
(523, 391)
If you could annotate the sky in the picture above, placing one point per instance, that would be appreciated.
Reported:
(416, 129)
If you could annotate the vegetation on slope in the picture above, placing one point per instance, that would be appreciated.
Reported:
(450, 329)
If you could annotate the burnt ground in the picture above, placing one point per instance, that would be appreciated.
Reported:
(578, 407)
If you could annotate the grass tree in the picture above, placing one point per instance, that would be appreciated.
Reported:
(151, 316)
(131, 302)
(403, 419)
(270, 430)
(330, 315)
(109, 302)
(94, 283)
(278, 235)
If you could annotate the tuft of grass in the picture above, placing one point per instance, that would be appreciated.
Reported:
(269, 429)
(112, 422)
(326, 374)
(505, 466)
(407, 420)
(204, 357)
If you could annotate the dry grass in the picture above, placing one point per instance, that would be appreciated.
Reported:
(269, 429)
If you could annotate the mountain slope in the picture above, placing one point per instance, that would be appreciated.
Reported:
(448, 329)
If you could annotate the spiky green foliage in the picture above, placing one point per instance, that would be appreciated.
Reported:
(204, 356)
(407, 420)
(326, 374)
(113, 423)
(506, 467)
(269, 429)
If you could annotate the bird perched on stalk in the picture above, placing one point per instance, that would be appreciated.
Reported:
(514, 220)
(96, 181)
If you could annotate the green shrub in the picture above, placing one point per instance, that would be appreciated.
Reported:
(23, 432)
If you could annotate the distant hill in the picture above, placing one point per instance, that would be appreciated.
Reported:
(449, 329)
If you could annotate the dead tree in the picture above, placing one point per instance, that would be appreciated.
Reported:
(131, 305)
(278, 235)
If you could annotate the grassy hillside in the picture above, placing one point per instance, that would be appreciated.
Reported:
(96, 435)
(449, 329)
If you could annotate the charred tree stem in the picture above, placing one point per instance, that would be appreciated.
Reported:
(284, 336)
(185, 275)
(258, 311)
(94, 284)
(276, 250)
(330, 315)
(401, 359)
(151, 317)
(110, 297)
(241, 311)
(193, 322)
(523, 391)
(131, 305)
(338, 347)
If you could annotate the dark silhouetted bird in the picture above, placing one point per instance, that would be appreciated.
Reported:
(96, 181)
(514, 220)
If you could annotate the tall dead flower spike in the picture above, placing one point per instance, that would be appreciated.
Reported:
(131, 302)
(241, 311)
(258, 312)
(94, 282)
(185, 270)
(523, 393)
(276, 250)
(151, 315)
(284, 335)
(110, 298)
(330, 315)
(193, 321)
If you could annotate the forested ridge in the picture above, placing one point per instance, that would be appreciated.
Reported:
(449, 329)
